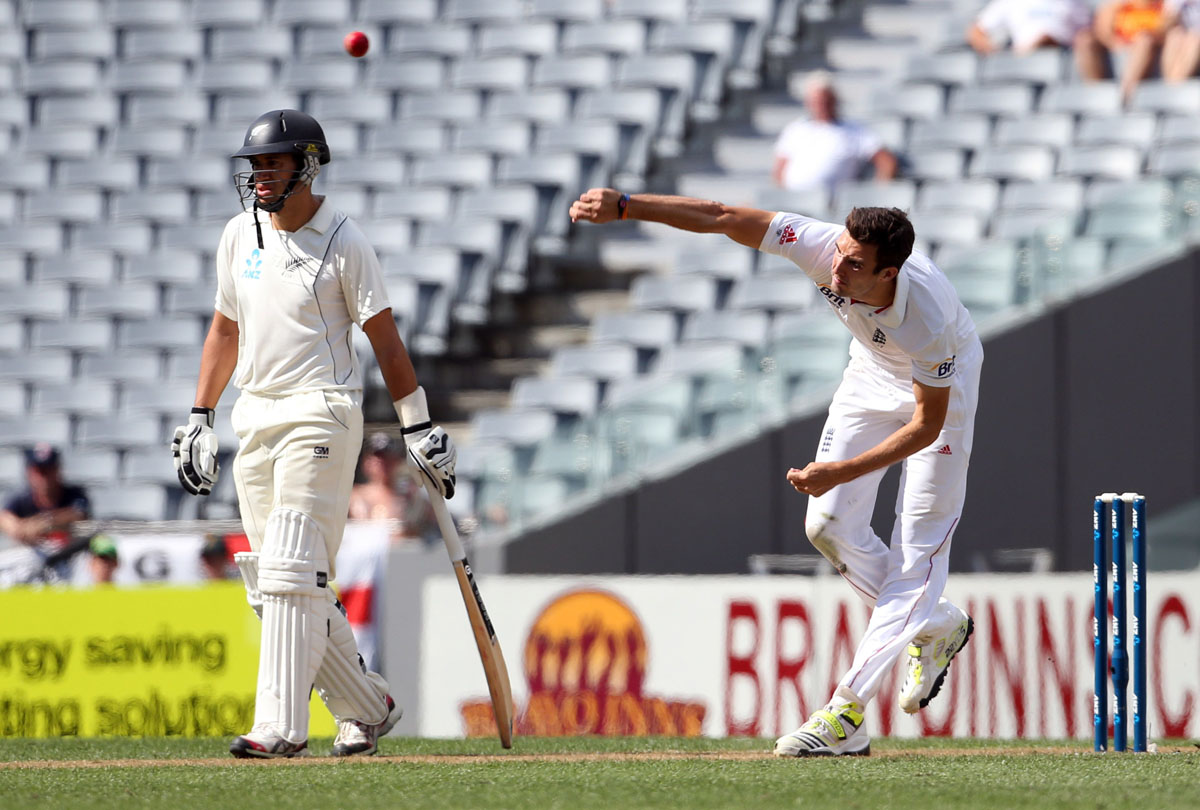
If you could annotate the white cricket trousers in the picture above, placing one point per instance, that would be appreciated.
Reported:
(904, 582)
(298, 453)
(295, 469)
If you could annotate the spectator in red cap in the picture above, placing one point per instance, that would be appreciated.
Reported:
(41, 516)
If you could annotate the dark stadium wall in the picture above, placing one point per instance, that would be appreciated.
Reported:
(1099, 394)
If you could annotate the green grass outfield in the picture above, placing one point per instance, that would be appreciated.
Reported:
(601, 773)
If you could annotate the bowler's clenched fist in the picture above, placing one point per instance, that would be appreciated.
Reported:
(817, 478)
(598, 205)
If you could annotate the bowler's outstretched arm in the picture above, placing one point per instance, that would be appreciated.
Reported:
(746, 226)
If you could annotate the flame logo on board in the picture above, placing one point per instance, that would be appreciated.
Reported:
(585, 663)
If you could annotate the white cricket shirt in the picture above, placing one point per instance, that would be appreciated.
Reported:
(821, 153)
(296, 301)
(918, 337)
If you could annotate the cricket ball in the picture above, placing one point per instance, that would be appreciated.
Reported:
(356, 44)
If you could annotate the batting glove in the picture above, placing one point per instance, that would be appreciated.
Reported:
(194, 450)
(430, 448)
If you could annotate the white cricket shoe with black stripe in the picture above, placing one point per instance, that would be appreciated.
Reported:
(263, 742)
(363, 738)
(834, 731)
(929, 658)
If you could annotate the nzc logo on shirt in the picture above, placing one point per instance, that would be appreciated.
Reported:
(253, 265)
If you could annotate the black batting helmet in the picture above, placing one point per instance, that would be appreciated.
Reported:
(285, 131)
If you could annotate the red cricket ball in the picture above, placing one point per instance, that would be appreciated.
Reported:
(356, 44)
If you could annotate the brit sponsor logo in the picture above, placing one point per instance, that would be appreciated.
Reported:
(787, 235)
(944, 368)
(832, 297)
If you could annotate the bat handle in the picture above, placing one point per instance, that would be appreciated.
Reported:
(445, 522)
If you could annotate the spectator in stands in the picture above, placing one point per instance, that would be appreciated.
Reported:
(823, 150)
(1181, 43)
(1129, 32)
(1027, 25)
(42, 515)
(389, 493)
(103, 561)
(214, 558)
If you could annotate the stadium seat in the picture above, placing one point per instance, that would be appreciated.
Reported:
(771, 293)
(80, 268)
(687, 293)
(1107, 162)
(913, 101)
(934, 164)
(161, 141)
(326, 75)
(389, 12)
(977, 196)
(96, 109)
(1180, 129)
(525, 38)
(130, 300)
(1040, 129)
(545, 106)
(969, 131)
(179, 108)
(48, 300)
(520, 428)
(1144, 225)
(660, 10)
(312, 12)
(482, 10)
(1060, 195)
(1014, 163)
(1002, 100)
(75, 398)
(600, 361)
(571, 396)
(36, 366)
(84, 335)
(1176, 160)
(1026, 223)
(646, 329)
(896, 194)
(1094, 98)
(164, 207)
(949, 227)
(623, 37)
(228, 12)
(96, 467)
(1181, 98)
(453, 106)
(573, 72)
(148, 76)
(511, 137)
(1151, 193)
(1131, 129)
(1042, 67)
(459, 170)
(129, 502)
(567, 10)
(747, 327)
(126, 367)
(148, 14)
(160, 333)
(952, 69)
(160, 42)
(29, 429)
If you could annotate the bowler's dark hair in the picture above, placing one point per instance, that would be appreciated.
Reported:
(888, 229)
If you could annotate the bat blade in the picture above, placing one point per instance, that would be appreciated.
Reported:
(490, 655)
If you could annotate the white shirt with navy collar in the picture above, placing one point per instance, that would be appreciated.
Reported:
(921, 336)
(296, 301)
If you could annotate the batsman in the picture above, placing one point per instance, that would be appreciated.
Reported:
(908, 395)
(294, 276)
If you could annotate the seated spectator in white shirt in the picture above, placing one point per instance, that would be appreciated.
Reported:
(823, 150)
(1181, 45)
(1027, 25)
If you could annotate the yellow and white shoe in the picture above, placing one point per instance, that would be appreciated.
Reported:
(929, 658)
(834, 731)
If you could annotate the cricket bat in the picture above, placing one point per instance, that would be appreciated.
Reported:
(485, 636)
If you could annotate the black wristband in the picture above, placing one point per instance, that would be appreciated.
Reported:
(208, 413)
(404, 431)
(622, 205)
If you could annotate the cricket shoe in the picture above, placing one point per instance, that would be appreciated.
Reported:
(363, 738)
(929, 661)
(263, 742)
(835, 731)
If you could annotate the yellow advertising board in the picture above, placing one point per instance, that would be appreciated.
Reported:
(147, 661)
